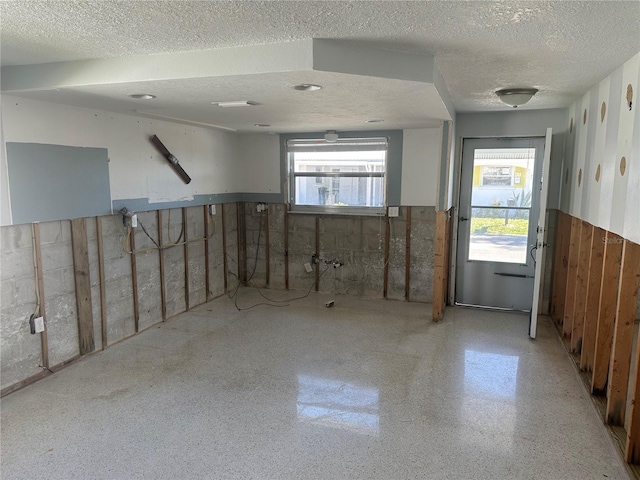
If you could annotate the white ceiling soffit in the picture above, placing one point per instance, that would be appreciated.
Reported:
(562, 48)
(359, 83)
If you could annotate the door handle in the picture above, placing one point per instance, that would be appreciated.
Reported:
(463, 219)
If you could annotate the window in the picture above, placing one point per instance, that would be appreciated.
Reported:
(347, 176)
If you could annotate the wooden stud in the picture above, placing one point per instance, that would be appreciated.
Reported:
(632, 447)
(134, 280)
(37, 252)
(163, 293)
(225, 266)
(580, 294)
(559, 279)
(407, 256)
(572, 270)
(80, 249)
(317, 265)
(103, 290)
(593, 299)
(286, 247)
(242, 233)
(266, 247)
(606, 312)
(387, 233)
(185, 228)
(618, 382)
(439, 266)
(205, 212)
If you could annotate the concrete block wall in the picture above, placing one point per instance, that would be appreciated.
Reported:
(118, 279)
(231, 234)
(255, 235)
(197, 270)
(174, 261)
(20, 352)
(357, 241)
(59, 290)
(148, 269)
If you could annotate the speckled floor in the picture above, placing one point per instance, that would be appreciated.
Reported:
(366, 389)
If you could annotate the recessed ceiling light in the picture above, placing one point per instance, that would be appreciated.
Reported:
(261, 125)
(142, 96)
(235, 103)
(375, 120)
(307, 87)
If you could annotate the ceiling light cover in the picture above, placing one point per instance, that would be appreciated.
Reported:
(261, 125)
(307, 87)
(374, 120)
(515, 97)
(142, 96)
(235, 103)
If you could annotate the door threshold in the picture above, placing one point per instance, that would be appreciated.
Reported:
(485, 307)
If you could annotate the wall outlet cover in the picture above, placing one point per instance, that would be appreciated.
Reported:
(39, 323)
(134, 220)
(308, 267)
(212, 209)
(394, 211)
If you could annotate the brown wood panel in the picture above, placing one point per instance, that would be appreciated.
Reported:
(317, 265)
(83, 285)
(134, 280)
(560, 263)
(267, 242)
(185, 229)
(163, 291)
(286, 247)
(37, 252)
(572, 270)
(632, 447)
(439, 266)
(103, 289)
(407, 256)
(618, 382)
(207, 288)
(596, 256)
(580, 295)
(606, 312)
(387, 232)
(225, 265)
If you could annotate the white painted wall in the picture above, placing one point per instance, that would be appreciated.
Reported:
(136, 169)
(259, 161)
(420, 166)
(613, 201)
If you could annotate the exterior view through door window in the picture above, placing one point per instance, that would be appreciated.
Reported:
(501, 204)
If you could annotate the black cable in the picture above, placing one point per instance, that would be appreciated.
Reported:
(294, 298)
(534, 247)
(147, 234)
(255, 265)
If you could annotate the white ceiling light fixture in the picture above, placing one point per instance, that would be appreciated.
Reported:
(331, 136)
(514, 97)
(142, 96)
(307, 87)
(262, 125)
(374, 120)
(235, 103)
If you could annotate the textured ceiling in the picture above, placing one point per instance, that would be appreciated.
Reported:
(561, 47)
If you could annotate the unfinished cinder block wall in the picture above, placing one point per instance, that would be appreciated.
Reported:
(359, 242)
(130, 280)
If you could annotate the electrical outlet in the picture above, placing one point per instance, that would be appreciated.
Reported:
(39, 324)
(308, 267)
(394, 211)
(212, 209)
(134, 220)
(261, 207)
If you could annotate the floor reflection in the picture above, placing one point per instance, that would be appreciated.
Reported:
(338, 404)
(491, 373)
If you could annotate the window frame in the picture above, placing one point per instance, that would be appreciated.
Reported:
(292, 176)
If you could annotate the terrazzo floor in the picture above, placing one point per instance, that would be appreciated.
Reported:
(368, 389)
